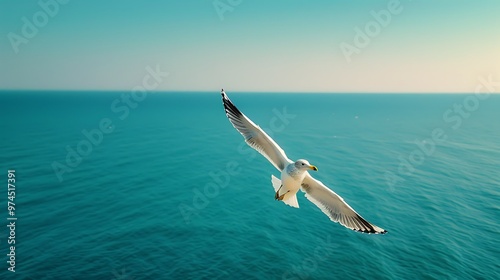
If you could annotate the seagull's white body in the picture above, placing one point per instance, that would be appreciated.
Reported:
(291, 179)
(295, 175)
(289, 185)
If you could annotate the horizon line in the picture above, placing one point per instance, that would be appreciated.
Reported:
(236, 91)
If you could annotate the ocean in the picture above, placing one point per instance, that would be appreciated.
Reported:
(163, 187)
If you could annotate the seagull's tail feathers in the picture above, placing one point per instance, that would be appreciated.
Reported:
(290, 200)
(276, 183)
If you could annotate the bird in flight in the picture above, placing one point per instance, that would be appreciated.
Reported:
(295, 175)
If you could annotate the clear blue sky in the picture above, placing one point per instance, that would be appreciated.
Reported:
(256, 45)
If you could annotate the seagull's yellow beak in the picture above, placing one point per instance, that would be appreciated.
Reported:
(312, 167)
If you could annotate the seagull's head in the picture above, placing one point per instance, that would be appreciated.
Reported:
(303, 164)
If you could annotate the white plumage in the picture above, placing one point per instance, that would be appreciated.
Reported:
(295, 175)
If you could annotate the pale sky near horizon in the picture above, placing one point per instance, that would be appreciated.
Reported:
(242, 45)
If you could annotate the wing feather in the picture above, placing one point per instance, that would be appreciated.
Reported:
(335, 207)
(254, 136)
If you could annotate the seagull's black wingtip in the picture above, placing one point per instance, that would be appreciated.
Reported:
(229, 107)
(371, 231)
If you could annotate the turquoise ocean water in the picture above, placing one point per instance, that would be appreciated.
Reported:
(165, 188)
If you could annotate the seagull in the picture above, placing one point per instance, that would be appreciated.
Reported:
(295, 175)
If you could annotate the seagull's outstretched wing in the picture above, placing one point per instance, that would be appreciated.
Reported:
(335, 207)
(254, 135)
